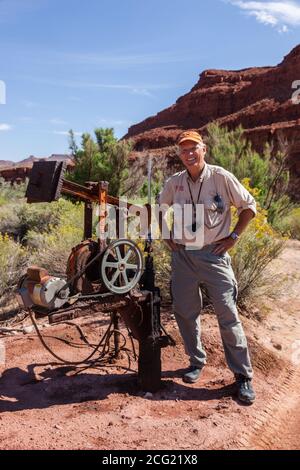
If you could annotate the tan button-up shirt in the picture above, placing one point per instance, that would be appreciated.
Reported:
(216, 181)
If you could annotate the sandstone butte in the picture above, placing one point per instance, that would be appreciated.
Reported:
(258, 98)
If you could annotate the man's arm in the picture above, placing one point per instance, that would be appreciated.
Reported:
(245, 203)
(226, 243)
(244, 218)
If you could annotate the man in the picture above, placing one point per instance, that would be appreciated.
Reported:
(217, 189)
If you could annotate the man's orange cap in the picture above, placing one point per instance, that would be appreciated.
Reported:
(189, 135)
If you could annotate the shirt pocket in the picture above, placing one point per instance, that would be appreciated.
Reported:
(212, 216)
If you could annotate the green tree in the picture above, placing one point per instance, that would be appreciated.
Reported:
(102, 158)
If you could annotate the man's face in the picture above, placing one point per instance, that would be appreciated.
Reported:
(192, 154)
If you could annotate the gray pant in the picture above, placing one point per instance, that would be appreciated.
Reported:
(189, 268)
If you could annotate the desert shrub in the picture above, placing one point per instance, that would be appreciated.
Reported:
(9, 221)
(290, 224)
(13, 260)
(19, 218)
(52, 248)
(10, 193)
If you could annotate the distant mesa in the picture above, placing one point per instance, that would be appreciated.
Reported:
(5, 163)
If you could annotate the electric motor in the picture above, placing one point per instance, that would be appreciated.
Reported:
(38, 288)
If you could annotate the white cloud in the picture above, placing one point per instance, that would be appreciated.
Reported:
(118, 61)
(143, 90)
(278, 14)
(5, 127)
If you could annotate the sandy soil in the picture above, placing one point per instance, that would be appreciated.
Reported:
(44, 405)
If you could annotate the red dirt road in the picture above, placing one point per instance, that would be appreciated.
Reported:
(43, 405)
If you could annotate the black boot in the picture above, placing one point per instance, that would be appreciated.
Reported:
(245, 390)
(192, 374)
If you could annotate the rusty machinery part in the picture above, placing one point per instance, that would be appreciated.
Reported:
(37, 287)
(121, 266)
(46, 181)
(82, 270)
(141, 315)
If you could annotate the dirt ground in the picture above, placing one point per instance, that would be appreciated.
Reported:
(44, 405)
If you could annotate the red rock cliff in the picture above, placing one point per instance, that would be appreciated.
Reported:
(260, 99)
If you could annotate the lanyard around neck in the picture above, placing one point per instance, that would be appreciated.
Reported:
(194, 204)
(198, 197)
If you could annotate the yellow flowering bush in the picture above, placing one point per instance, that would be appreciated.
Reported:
(257, 247)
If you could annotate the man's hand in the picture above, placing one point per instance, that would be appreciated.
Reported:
(223, 245)
(226, 243)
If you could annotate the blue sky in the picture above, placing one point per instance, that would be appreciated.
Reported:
(111, 63)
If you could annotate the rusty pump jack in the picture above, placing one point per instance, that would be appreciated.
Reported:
(100, 276)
